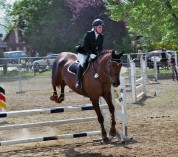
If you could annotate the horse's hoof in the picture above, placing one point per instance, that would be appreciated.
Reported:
(105, 141)
(53, 98)
(119, 138)
(110, 137)
(59, 100)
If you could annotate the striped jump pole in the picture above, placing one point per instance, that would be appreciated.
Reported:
(104, 108)
(50, 110)
(50, 138)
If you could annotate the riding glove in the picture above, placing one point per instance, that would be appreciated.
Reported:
(92, 56)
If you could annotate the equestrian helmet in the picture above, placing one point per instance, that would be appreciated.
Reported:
(97, 22)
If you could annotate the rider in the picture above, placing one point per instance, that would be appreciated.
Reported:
(93, 44)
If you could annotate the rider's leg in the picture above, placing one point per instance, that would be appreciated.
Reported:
(82, 59)
(79, 77)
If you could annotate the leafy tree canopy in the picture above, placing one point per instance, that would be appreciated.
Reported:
(156, 20)
(42, 22)
(59, 25)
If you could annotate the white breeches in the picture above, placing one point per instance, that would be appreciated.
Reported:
(81, 58)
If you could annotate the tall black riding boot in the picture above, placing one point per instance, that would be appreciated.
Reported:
(79, 77)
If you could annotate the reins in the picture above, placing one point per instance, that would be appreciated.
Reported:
(109, 63)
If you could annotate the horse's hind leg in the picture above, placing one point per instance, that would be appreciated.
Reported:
(54, 96)
(61, 97)
(95, 103)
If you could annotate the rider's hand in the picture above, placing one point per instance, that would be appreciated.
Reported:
(92, 56)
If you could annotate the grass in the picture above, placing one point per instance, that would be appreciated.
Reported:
(150, 72)
(48, 73)
(24, 74)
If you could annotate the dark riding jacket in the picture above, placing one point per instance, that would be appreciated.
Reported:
(92, 45)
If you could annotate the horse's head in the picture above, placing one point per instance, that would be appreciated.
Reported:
(113, 68)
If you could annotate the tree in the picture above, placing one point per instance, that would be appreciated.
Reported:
(42, 23)
(84, 12)
(59, 25)
(156, 20)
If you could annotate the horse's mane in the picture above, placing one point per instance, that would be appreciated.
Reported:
(112, 54)
(105, 52)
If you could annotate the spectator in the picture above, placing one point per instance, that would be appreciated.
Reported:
(36, 54)
(5, 62)
(47, 65)
(164, 57)
(173, 67)
(139, 55)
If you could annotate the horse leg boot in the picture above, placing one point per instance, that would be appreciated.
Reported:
(61, 97)
(79, 77)
(54, 96)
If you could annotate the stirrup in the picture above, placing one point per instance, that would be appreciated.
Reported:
(78, 85)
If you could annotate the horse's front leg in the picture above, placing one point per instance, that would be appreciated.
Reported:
(112, 132)
(108, 98)
(95, 103)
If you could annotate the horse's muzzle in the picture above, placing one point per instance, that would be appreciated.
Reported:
(116, 84)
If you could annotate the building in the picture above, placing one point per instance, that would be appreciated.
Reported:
(15, 41)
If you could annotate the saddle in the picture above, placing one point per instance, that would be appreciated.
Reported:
(74, 66)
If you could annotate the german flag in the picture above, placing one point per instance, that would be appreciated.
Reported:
(2, 98)
(2, 104)
(2, 90)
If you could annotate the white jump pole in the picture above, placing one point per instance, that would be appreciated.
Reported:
(155, 70)
(143, 75)
(20, 79)
(176, 59)
(129, 70)
(48, 123)
(133, 81)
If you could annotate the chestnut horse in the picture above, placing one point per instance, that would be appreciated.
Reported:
(107, 66)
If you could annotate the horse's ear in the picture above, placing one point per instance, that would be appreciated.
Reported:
(117, 56)
(121, 54)
(113, 53)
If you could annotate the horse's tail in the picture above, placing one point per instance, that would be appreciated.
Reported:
(56, 73)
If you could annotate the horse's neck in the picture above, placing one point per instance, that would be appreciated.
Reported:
(100, 66)
(103, 60)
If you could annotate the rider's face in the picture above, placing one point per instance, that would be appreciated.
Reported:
(99, 29)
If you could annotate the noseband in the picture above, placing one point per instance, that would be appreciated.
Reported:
(108, 67)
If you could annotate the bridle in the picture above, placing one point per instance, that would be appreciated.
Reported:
(108, 69)
(109, 74)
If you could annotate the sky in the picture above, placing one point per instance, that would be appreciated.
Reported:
(2, 11)
(3, 29)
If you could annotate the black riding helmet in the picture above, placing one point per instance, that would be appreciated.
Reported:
(97, 22)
